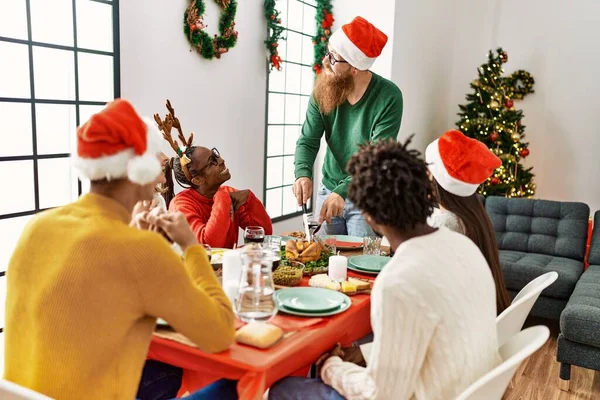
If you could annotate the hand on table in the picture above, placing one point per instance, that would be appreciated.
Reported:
(302, 189)
(333, 206)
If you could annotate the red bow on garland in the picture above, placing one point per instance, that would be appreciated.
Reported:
(276, 62)
(327, 20)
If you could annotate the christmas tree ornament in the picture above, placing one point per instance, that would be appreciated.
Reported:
(524, 152)
(494, 104)
(494, 136)
(509, 103)
(516, 137)
(495, 180)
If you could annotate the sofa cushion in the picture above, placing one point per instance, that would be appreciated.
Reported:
(540, 226)
(520, 268)
(594, 256)
(580, 320)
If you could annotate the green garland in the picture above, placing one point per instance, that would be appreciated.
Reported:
(275, 34)
(324, 20)
(193, 27)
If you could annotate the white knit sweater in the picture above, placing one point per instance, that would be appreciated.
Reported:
(433, 315)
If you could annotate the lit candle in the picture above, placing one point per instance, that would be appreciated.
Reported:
(338, 266)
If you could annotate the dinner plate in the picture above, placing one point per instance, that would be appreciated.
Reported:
(309, 299)
(370, 263)
(345, 306)
(345, 242)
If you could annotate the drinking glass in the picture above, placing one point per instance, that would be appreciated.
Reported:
(372, 246)
(254, 234)
(273, 244)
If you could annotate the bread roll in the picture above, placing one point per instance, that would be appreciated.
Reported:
(259, 334)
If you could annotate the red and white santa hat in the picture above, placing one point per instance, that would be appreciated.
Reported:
(359, 43)
(460, 164)
(118, 143)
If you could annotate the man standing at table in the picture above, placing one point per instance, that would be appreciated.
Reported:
(352, 106)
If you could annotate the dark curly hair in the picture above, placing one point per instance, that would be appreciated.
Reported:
(391, 184)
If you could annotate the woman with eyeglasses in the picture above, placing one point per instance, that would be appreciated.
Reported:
(214, 211)
(351, 106)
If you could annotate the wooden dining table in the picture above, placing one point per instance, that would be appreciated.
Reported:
(306, 339)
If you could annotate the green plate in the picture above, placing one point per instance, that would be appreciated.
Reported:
(346, 305)
(362, 271)
(345, 242)
(309, 299)
(369, 262)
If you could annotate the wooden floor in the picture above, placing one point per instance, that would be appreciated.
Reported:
(537, 378)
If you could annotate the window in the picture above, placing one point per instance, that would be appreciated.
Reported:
(64, 67)
(288, 92)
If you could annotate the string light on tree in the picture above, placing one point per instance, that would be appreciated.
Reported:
(490, 116)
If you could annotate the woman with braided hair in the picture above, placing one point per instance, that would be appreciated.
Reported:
(214, 211)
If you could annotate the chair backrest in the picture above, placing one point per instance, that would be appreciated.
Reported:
(546, 227)
(512, 319)
(594, 256)
(492, 385)
(12, 391)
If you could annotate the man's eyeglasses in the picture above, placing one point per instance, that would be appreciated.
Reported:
(332, 59)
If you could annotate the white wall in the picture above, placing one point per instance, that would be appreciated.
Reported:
(558, 43)
(439, 45)
(221, 101)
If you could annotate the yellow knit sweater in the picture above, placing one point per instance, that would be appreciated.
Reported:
(84, 291)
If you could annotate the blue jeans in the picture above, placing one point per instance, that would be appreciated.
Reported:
(290, 388)
(162, 381)
(351, 222)
(298, 388)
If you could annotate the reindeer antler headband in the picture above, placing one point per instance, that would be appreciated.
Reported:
(165, 127)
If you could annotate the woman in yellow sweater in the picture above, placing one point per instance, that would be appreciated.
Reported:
(85, 288)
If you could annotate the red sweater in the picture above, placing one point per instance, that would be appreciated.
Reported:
(211, 221)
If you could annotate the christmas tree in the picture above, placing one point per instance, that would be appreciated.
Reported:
(490, 117)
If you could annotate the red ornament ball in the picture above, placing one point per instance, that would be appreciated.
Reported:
(509, 103)
(494, 136)
(327, 32)
(524, 152)
(275, 44)
(279, 21)
(272, 17)
(495, 180)
(323, 38)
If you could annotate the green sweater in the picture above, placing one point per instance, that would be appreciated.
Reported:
(377, 115)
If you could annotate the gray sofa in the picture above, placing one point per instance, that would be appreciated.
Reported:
(579, 340)
(538, 236)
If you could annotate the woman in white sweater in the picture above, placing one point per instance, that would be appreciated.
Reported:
(459, 165)
(433, 308)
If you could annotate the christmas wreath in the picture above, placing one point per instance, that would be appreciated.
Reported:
(193, 27)
(519, 84)
(275, 31)
(324, 23)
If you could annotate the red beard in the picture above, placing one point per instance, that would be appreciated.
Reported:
(332, 90)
